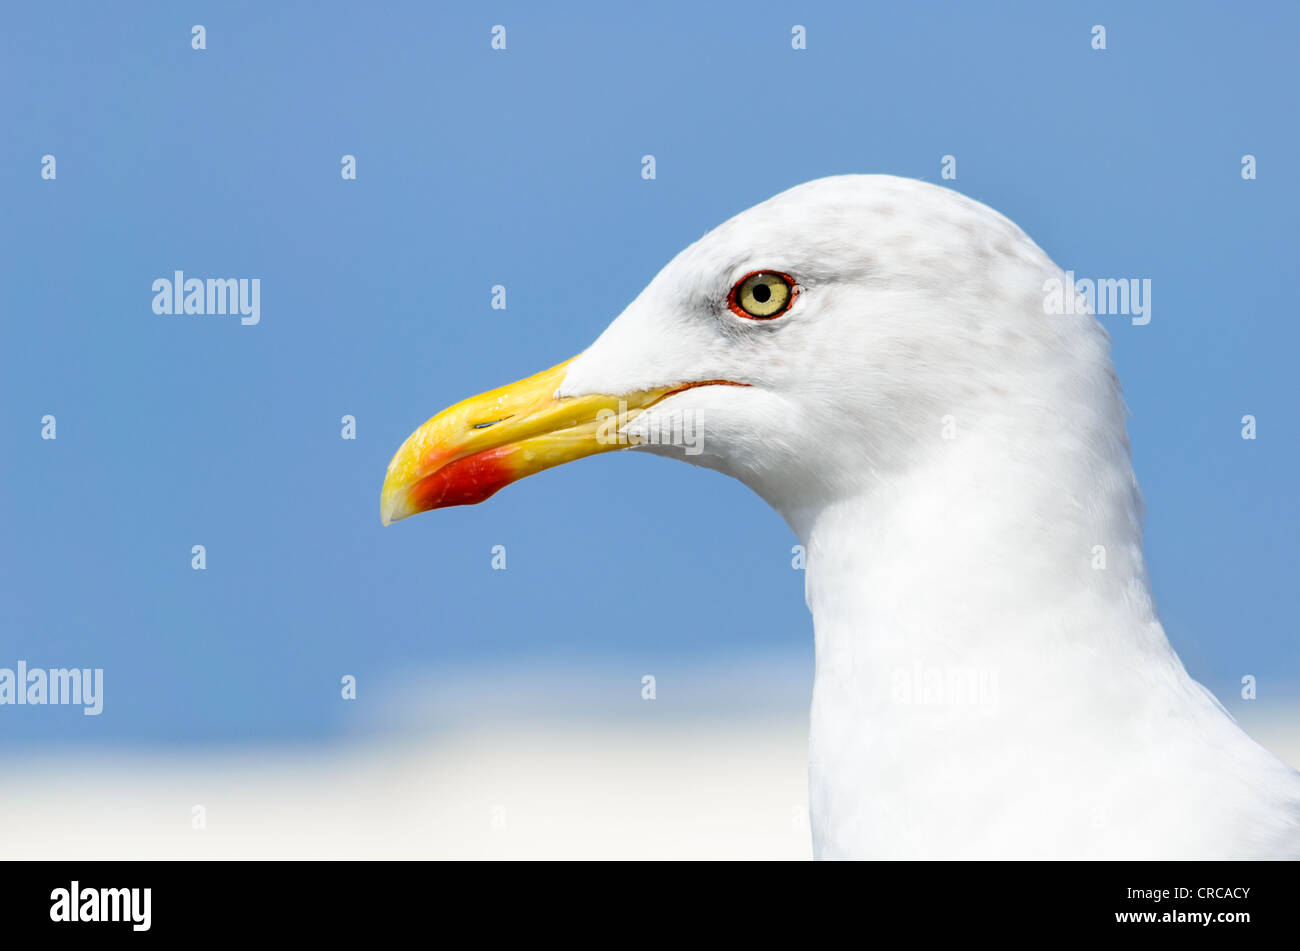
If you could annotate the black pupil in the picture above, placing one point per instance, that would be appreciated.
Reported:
(762, 293)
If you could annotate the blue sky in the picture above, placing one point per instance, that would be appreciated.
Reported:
(522, 168)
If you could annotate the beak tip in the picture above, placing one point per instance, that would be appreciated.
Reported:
(390, 504)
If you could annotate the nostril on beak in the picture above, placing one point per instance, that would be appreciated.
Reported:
(492, 422)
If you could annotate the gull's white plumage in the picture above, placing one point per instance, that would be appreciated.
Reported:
(920, 316)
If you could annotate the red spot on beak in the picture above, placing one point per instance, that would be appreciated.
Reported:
(466, 481)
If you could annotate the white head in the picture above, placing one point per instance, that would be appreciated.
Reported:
(912, 309)
(912, 303)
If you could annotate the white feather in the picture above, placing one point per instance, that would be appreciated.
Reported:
(982, 690)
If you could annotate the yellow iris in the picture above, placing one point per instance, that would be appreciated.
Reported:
(763, 294)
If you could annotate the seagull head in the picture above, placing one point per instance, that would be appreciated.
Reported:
(811, 341)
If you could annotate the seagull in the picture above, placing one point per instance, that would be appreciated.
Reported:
(873, 357)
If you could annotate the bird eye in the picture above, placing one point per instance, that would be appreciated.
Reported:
(762, 295)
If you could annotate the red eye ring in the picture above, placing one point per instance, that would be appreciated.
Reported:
(791, 290)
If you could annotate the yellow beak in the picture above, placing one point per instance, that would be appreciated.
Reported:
(482, 444)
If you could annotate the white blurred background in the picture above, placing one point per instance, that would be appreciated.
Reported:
(549, 774)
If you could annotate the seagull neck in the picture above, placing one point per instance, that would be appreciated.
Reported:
(980, 614)
(992, 680)
(990, 552)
